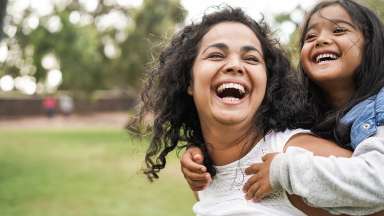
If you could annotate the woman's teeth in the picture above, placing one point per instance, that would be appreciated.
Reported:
(237, 86)
(231, 90)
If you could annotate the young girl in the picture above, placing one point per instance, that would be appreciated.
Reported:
(342, 57)
(216, 86)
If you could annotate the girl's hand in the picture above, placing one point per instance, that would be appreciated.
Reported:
(258, 186)
(193, 169)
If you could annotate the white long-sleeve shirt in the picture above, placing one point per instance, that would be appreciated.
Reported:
(352, 186)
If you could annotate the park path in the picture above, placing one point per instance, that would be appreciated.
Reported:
(94, 120)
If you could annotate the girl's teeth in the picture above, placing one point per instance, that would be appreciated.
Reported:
(319, 57)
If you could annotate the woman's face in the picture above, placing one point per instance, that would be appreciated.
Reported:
(228, 75)
(333, 47)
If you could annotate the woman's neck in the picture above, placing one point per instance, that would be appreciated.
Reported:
(226, 144)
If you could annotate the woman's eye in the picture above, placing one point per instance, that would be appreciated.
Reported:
(215, 56)
(251, 59)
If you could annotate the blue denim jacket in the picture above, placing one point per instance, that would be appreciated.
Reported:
(364, 118)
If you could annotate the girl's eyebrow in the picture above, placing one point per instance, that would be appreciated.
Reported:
(334, 21)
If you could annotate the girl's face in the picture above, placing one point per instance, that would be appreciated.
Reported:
(333, 47)
(229, 75)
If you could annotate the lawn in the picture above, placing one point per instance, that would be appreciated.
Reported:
(84, 172)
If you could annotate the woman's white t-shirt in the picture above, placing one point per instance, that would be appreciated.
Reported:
(224, 196)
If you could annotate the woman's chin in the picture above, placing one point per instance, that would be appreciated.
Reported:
(230, 117)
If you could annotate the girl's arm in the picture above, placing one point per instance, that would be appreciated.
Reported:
(196, 195)
(353, 186)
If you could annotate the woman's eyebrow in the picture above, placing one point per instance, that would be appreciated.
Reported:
(221, 46)
(250, 48)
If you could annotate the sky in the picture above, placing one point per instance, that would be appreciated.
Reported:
(196, 8)
(254, 8)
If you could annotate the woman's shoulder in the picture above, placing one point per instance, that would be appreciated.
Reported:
(279, 139)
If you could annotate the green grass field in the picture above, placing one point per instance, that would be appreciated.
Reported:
(84, 172)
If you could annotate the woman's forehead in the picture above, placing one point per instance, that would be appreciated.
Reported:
(230, 32)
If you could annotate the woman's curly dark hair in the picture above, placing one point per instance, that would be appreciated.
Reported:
(176, 121)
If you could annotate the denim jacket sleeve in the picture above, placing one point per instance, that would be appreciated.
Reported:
(352, 186)
(365, 118)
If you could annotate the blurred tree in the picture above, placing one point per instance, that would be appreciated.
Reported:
(3, 6)
(75, 47)
(292, 47)
(101, 48)
(375, 5)
(154, 21)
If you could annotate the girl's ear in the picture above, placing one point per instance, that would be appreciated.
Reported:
(189, 90)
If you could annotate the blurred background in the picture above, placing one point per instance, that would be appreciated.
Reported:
(70, 73)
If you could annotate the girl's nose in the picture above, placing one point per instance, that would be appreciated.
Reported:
(323, 40)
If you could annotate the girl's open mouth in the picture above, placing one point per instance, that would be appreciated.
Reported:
(325, 57)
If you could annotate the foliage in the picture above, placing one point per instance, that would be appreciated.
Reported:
(375, 5)
(3, 6)
(156, 20)
(81, 47)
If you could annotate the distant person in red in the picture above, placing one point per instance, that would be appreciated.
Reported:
(49, 105)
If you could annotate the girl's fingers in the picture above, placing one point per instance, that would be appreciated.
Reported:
(198, 185)
(195, 176)
(268, 156)
(260, 194)
(251, 181)
(188, 161)
(251, 191)
(198, 188)
(197, 154)
(253, 169)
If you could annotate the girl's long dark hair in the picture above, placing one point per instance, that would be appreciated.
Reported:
(176, 121)
(369, 76)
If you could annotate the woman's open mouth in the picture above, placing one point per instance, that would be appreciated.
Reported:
(231, 92)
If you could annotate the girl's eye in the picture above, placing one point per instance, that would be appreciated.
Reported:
(251, 59)
(310, 37)
(339, 30)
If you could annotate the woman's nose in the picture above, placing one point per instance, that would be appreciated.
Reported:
(234, 66)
